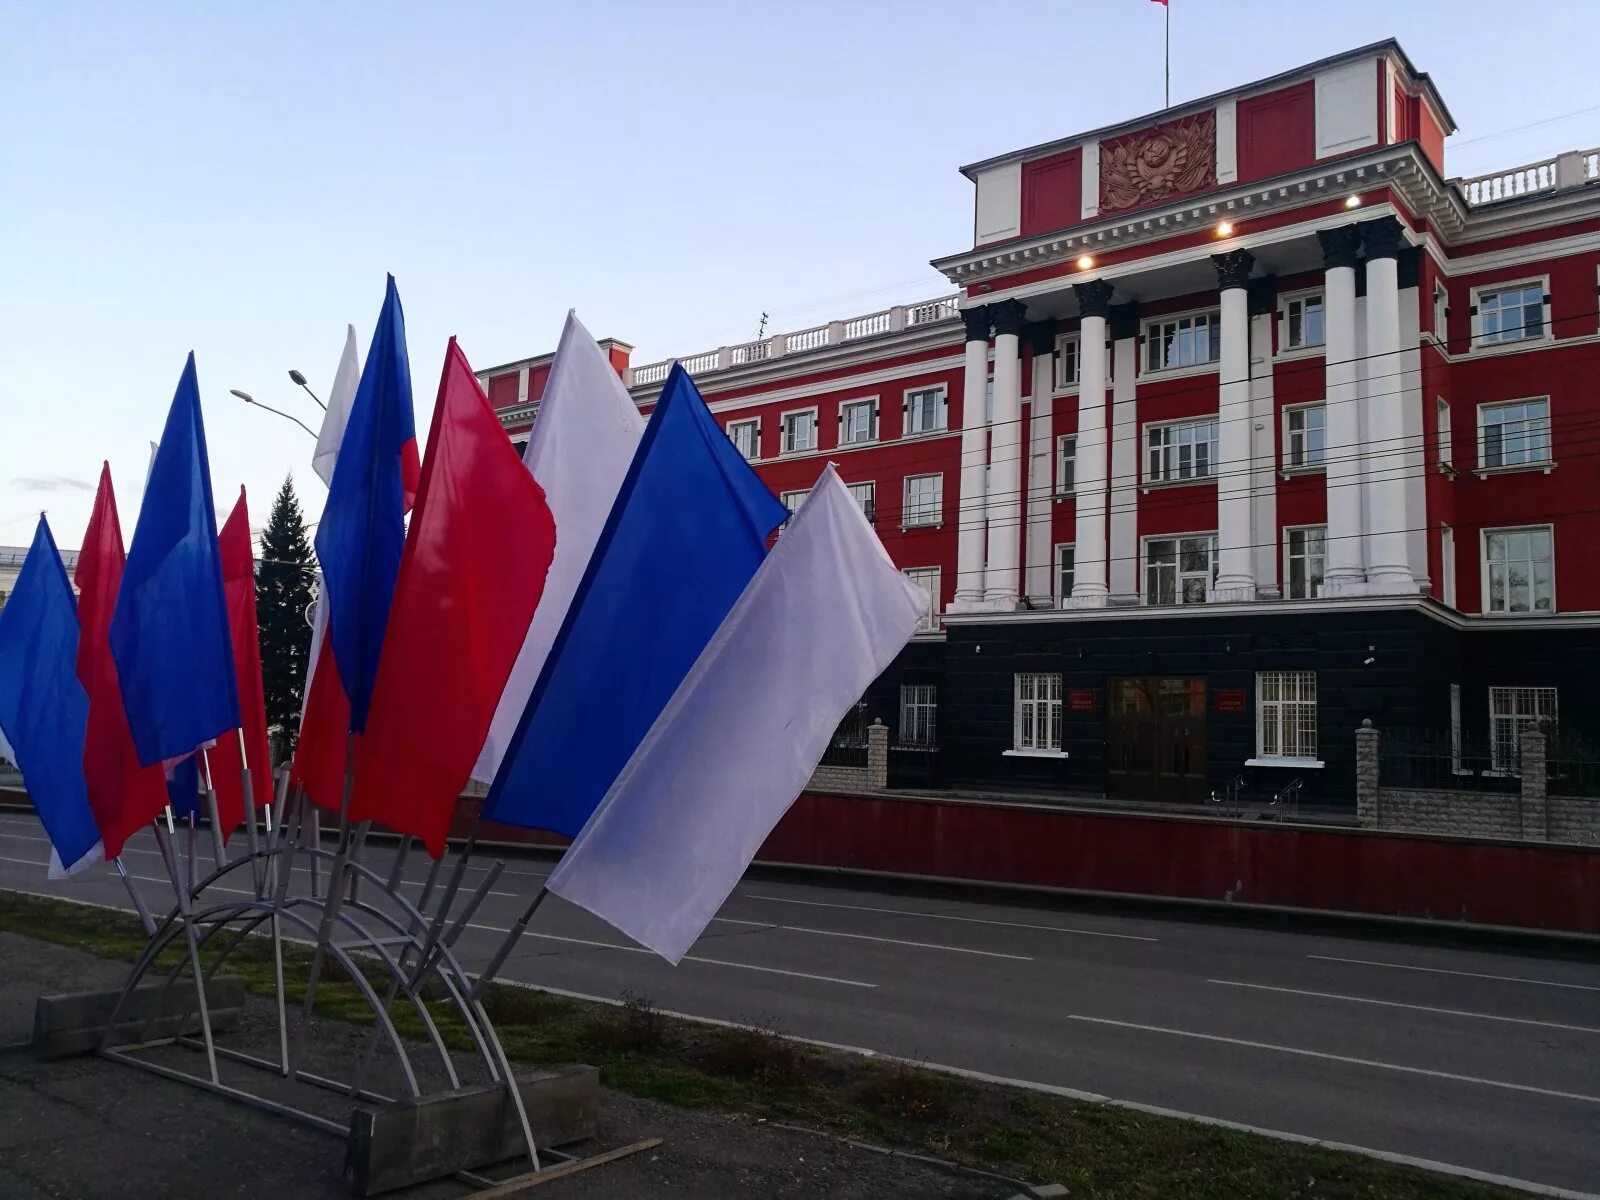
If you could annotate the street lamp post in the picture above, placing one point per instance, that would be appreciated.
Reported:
(299, 379)
(249, 399)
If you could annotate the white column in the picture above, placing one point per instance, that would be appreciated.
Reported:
(1344, 574)
(1089, 586)
(1388, 568)
(1263, 442)
(974, 460)
(1408, 385)
(1122, 574)
(1041, 466)
(1002, 575)
(1236, 578)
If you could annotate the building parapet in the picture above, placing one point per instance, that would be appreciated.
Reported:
(1572, 168)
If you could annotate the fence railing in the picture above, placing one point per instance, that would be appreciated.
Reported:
(1570, 169)
(1440, 760)
(1572, 765)
(848, 745)
(895, 319)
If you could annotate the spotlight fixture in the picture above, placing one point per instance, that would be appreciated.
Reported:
(1225, 229)
(1085, 262)
(1352, 202)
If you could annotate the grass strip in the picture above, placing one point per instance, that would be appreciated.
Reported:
(1096, 1150)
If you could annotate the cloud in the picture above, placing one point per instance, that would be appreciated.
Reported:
(52, 483)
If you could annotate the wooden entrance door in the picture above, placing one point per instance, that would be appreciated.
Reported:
(1156, 739)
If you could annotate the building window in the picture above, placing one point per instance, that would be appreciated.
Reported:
(1179, 570)
(1512, 711)
(1306, 551)
(926, 578)
(1441, 412)
(924, 501)
(1508, 314)
(1066, 570)
(1514, 434)
(1447, 564)
(919, 713)
(866, 496)
(1302, 322)
(925, 409)
(858, 422)
(1038, 712)
(1182, 450)
(746, 438)
(1455, 727)
(1066, 464)
(520, 446)
(1519, 570)
(1286, 714)
(1305, 436)
(800, 431)
(1067, 362)
(1182, 342)
(792, 501)
(1441, 314)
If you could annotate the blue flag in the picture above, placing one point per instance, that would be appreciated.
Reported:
(43, 709)
(169, 630)
(362, 531)
(687, 531)
(183, 788)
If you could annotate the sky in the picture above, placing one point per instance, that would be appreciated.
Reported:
(236, 179)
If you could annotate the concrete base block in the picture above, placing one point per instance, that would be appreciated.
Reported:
(411, 1141)
(75, 1022)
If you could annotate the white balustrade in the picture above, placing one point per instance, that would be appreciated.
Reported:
(1507, 185)
(699, 364)
(868, 325)
(806, 339)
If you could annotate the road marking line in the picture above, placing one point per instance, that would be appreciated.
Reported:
(1359, 1062)
(908, 912)
(1370, 962)
(867, 937)
(720, 962)
(1449, 1012)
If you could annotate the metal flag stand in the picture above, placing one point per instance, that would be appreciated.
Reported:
(362, 923)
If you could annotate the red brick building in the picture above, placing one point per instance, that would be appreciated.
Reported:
(1245, 422)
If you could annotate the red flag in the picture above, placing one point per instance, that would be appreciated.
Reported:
(239, 584)
(122, 795)
(462, 606)
(319, 755)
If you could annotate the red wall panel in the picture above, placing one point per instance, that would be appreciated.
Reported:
(503, 390)
(1052, 192)
(1277, 132)
(1429, 133)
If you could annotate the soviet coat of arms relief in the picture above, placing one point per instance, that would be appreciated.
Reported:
(1159, 164)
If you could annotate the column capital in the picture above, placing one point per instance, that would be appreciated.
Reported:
(1094, 298)
(1339, 246)
(1408, 265)
(1263, 295)
(1382, 238)
(1009, 316)
(1041, 336)
(976, 319)
(1124, 320)
(1233, 268)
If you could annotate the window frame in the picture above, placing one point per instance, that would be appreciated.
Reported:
(742, 422)
(1485, 585)
(1063, 341)
(787, 451)
(1286, 467)
(1545, 464)
(1441, 314)
(870, 509)
(1063, 441)
(1179, 575)
(905, 502)
(872, 421)
(1499, 345)
(1286, 303)
(942, 411)
(1518, 721)
(921, 576)
(1214, 442)
(1044, 714)
(921, 700)
(1149, 329)
(1279, 707)
(1447, 566)
(1062, 597)
(1444, 429)
(1289, 557)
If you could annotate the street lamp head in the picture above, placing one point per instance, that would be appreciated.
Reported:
(296, 378)
(245, 396)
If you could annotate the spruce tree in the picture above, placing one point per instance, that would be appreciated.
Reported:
(284, 591)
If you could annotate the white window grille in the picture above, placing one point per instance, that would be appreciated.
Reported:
(926, 578)
(1509, 314)
(1302, 322)
(1286, 714)
(858, 422)
(1305, 436)
(1306, 548)
(1067, 362)
(1181, 450)
(925, 409)
(1444, 431)
(1038, 711)
(1183, 342)
(919, 715)
(1066, 464)
(924, 500)
(800, 431)
(1512, 710)
(1179, 570)
(866, 496)
(1066, 572)
(1519, 570)
(1514, 434)
(746, 438)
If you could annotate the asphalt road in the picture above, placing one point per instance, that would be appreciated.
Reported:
(1481, 1059)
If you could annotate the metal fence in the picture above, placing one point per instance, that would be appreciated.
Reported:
(1448, 760)
(915, 766)
(1572, 765)
(848, 745)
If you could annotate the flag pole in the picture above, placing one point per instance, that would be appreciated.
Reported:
(145, 918)
(486, 976)
(219, 855)
(186, 915)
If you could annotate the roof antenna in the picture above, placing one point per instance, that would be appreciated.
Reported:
(761, 332)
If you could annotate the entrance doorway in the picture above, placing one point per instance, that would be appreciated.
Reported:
(1156, 740)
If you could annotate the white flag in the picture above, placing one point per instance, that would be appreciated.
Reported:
(824, 615)
(582, 443)
(340, 397)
